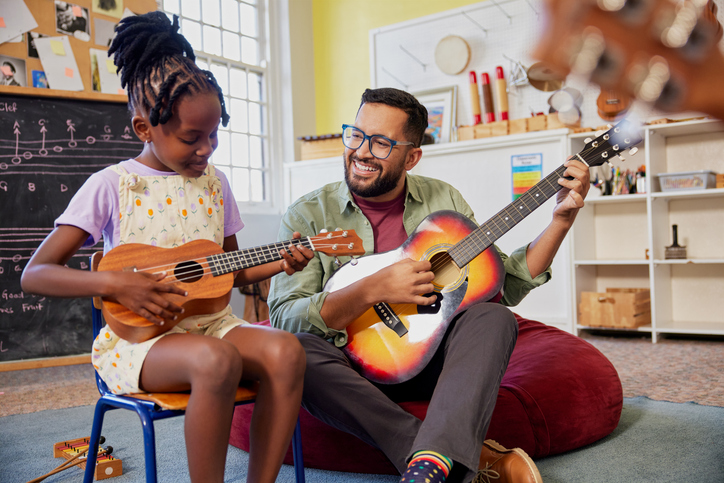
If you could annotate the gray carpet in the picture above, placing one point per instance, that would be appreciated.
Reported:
(654, 442)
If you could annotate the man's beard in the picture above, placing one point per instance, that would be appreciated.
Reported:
(383, 184)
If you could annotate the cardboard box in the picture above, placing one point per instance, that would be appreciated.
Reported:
(517, 126)
(537, 123)
(466, 133)
(720, 180)
(622, 308)
(316, 147)
(482, 131)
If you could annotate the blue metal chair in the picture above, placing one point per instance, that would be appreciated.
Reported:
(152, 407)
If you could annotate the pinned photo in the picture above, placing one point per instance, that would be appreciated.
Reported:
(32, 50)
(112, 8)
(12, 72)
(72, 20)
(39, 79)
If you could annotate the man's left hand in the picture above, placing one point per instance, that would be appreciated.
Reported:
(570, 199)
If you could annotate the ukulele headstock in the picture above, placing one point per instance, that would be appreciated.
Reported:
(338, 243)
(624, 135)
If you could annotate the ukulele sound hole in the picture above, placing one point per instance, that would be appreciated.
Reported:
(188, 272)
(445, 270)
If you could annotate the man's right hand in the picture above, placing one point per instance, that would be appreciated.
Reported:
(404, 282)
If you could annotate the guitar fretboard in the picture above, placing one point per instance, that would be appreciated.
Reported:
(224, 263)
(485, 235)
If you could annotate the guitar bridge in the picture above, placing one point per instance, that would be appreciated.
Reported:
(390, 318)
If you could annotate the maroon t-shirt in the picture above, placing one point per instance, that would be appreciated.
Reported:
(386, 220)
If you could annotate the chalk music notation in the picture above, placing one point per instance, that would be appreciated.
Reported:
(48, 149)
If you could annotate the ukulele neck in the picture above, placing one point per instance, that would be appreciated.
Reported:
(224, 263)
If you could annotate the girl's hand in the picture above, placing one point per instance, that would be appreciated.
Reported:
(296, 258)
(143, 294)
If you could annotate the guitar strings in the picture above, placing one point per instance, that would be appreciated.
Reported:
(401, 310)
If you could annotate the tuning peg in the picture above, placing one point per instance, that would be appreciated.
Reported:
(338, 229)
(323, 230)
(611, 5)
(337, 262)
(587, 140)
(633, 151)
(620, 156)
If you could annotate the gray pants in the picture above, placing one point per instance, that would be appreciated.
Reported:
(461, 382)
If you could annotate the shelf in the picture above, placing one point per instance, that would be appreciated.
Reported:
(686, 128)
(690, 327)
(692, 194)
(617, 199)
(644, 328)
(611, 262)
(690, 261)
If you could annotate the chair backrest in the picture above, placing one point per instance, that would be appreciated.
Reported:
(95, 259)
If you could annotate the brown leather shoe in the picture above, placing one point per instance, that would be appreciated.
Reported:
(500, 465)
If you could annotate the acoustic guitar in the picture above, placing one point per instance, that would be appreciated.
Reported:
(205, 272)
(391, 343)
(663, 52)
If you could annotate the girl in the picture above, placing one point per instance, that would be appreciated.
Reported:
(157, 198)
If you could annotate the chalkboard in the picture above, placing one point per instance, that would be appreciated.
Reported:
(48, 148)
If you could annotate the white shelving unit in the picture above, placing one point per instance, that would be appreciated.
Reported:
(619, 241)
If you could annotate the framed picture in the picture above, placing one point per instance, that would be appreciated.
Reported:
(440, 104)
(12, 72)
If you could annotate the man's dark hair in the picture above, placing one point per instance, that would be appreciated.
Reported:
(416, 112)
(9, 64)
(157, 64)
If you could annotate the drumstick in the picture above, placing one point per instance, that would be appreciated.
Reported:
(487, 98)
(68, 464)
(474, 97)
(501, 94)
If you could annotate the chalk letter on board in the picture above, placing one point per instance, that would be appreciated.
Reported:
(63, 188)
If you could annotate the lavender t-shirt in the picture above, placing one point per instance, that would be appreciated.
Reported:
(95, 206)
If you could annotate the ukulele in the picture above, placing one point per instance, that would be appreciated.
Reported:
(662, 52)
(205, 271)
(612, 104)
(391, 343)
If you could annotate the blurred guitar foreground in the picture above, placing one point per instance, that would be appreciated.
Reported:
(662, 52)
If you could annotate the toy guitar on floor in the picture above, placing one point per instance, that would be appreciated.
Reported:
(663, 52)
(205, 271)
(391, 343)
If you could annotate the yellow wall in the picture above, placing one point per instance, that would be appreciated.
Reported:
(341, 50)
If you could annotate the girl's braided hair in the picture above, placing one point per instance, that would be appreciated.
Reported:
(157, 64)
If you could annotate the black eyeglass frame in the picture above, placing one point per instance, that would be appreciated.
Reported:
(367, 138)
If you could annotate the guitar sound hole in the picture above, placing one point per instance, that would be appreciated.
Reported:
(188, 272)
(445, 270)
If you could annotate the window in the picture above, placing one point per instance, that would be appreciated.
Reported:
(228, 36)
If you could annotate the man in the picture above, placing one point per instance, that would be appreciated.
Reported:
(8, 78)
(383, 203)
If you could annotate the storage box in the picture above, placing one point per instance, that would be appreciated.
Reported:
(624, 308)
(517, 126)
(537, 123)
(720, 180)
(326, 146)
(466, 133)
(691, 180)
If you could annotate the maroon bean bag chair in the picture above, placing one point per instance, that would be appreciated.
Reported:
(558, 393)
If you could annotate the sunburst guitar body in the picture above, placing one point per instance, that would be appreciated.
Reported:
(391, 343)
(377, 348)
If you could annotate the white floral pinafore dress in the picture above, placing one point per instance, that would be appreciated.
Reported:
(164, 211)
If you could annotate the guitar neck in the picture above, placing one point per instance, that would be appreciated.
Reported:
(485, 235)
(224, 263)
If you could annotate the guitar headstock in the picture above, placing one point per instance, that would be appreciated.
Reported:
(663, 52)
(624, 135)
(338, 243)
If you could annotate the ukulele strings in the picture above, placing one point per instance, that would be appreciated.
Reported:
(267, 251)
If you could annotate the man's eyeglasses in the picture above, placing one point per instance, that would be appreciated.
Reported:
(380, 146)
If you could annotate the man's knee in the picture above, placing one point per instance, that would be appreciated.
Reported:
(492, 318)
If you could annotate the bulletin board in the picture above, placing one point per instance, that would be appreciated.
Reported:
(44, 12)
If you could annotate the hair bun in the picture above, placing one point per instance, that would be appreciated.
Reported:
(142, 42)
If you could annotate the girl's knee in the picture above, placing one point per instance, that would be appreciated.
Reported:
(217, 363)
(284, 356)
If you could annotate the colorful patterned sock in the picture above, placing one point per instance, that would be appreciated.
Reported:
(427, 467)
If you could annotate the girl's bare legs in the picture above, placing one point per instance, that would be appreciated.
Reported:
(213, 368)
(276, 359)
